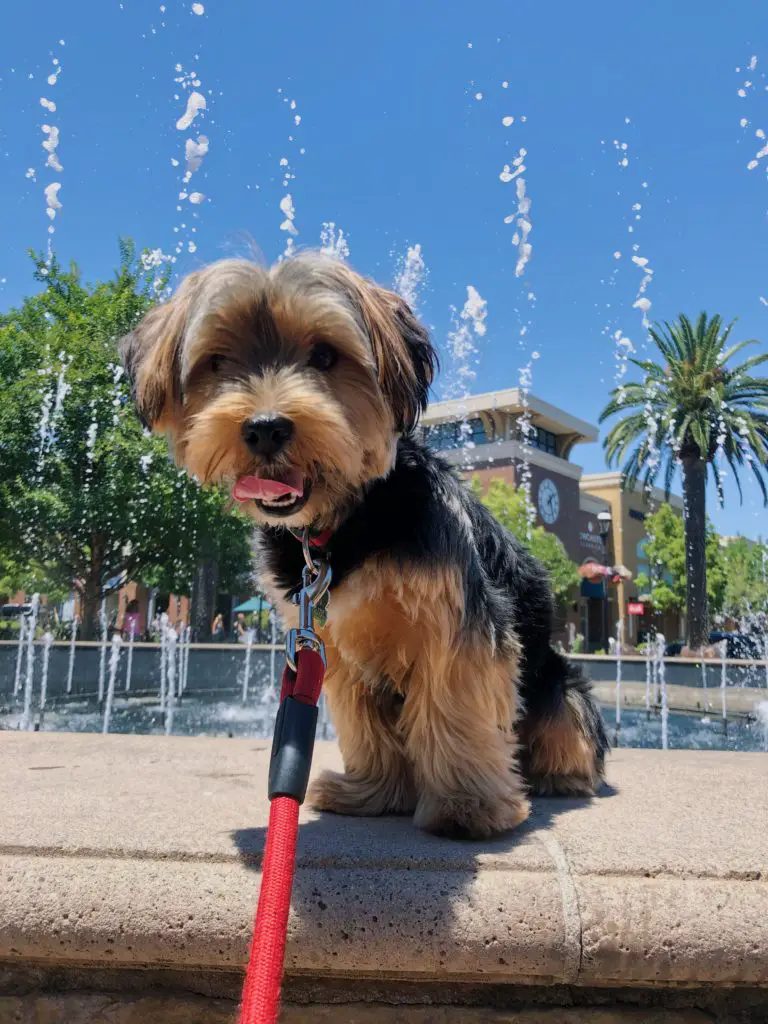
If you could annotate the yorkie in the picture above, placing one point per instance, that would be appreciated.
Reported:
(300, 388)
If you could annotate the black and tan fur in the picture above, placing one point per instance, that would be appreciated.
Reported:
(449, 702)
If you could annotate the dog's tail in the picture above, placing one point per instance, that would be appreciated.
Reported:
(562, 734)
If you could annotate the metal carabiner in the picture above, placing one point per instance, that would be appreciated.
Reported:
(312, 591)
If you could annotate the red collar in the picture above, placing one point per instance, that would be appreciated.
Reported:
(317, 540)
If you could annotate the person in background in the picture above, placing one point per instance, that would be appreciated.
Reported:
(240, 628)
(217, 629)
(131, 621)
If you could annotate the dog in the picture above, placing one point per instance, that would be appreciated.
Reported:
(299, 388)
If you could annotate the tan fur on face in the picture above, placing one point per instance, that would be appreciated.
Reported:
(449, 754)
(263, 325)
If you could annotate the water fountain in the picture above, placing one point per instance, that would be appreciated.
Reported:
(761, 714)
(114, 660)
(72, 651)
(163, 659)
(103, 650)
(47, 645)
(247, 666)
(724, 681)
(19, 655)
(661, 644)
(170, 635)
(26, 720)
(129, 662)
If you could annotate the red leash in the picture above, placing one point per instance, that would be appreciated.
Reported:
(290, 763)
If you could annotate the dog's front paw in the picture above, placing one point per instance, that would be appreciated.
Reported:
(342, 793)
(467, 817)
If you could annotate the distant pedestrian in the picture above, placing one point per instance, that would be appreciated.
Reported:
(218, 630)
(131, 621)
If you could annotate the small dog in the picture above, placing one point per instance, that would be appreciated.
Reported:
(300, 388)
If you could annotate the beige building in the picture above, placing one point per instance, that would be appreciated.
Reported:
(484, 436)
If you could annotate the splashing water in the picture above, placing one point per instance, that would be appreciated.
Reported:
(270, 694)
(19, 655)
(26, 718)
(163, 659)
(171, 669)
(47, 645)
(71, 664)
(410, 276)
(761, 712)
(114, 660)
(247, 666)
(661, 644)
(724, 679)
(333, 241)
(129, 661)
(103, 647)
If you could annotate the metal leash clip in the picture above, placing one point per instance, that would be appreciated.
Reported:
(315, 581)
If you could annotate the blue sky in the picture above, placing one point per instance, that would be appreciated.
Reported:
(399, 149)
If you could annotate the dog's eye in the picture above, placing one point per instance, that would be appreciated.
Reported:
(323, 356)
(216, 363)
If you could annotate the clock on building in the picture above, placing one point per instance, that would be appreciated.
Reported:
(549, 501)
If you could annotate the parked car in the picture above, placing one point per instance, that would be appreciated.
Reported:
(738, 645)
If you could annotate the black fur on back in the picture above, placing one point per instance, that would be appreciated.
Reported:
(423, 514)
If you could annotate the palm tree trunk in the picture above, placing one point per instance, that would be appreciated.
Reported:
(695, 518)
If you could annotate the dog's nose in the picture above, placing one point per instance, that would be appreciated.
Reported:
(267, 437)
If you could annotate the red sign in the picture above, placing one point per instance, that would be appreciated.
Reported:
(635, 607)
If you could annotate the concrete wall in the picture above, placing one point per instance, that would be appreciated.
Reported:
(211, 667)
(219, 666)
(130, 867)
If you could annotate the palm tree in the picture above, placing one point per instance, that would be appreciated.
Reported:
(692, 410)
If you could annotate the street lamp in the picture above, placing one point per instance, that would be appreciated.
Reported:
(604, 521)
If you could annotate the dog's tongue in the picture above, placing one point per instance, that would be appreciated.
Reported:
(250, 488)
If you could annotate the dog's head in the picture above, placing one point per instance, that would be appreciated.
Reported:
(290, 385)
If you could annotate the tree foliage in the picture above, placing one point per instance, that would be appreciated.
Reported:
(665, 552)
(513, 510)
(696, 409)
(691, 403)
(745, 588)
(88, 498)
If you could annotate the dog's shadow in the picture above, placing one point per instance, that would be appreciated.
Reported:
(358, 870)
(334, 840)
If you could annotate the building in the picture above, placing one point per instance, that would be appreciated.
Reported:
(483, 436)
(629, 509)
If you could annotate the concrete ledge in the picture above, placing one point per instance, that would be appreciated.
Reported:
(127, 853)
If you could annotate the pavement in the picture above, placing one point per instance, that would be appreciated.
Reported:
(144, 852)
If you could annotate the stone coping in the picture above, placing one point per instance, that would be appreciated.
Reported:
(144, 852)
(672, 660)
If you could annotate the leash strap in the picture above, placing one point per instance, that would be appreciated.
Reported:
(289, 767)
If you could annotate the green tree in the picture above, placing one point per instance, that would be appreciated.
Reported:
(745, 588)
(513, 510)
(88, 499)
(691, 409)
(665, 552)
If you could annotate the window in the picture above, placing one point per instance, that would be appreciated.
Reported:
(634, 514)
(539, 438)
(446, 436)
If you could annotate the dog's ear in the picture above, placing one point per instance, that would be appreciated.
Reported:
(151, 354)
(405, 357)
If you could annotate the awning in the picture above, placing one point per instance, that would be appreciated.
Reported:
(254, 604)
